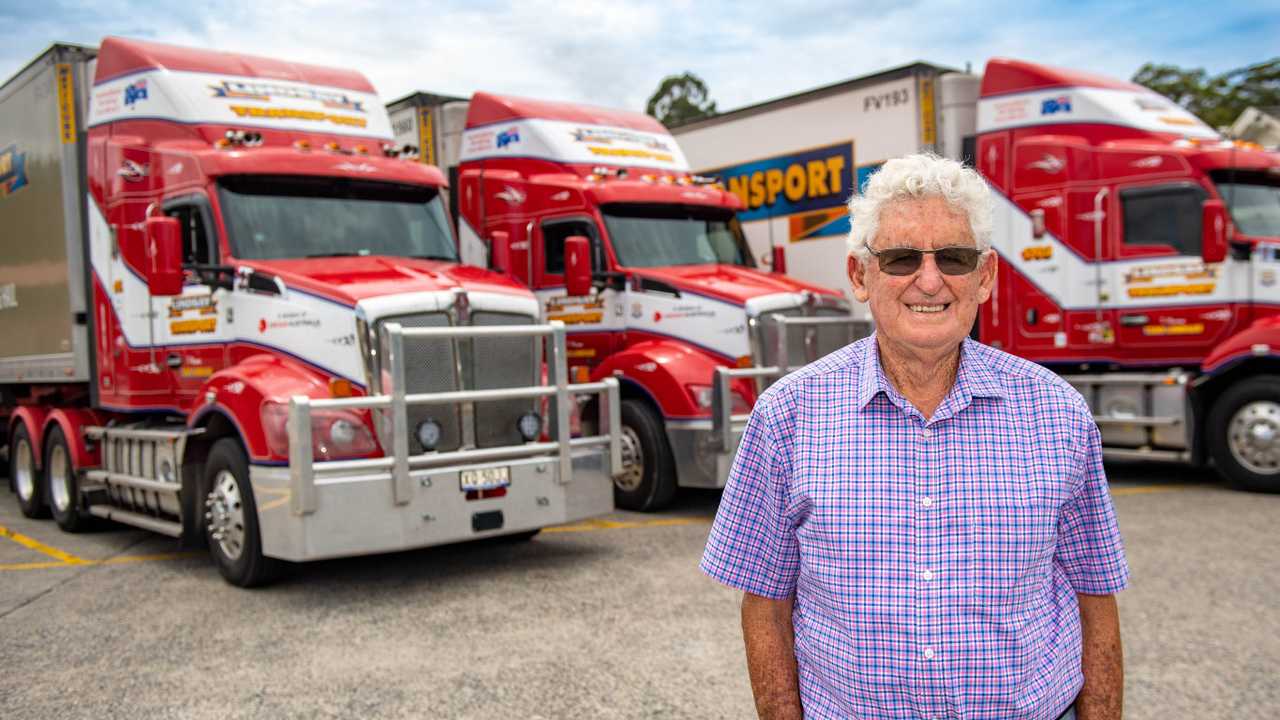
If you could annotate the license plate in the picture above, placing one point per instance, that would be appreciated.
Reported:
(485, 478)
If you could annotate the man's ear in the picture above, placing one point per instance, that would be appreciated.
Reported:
(857, 277)
(987, 275)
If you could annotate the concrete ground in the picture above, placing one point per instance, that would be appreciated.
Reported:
(608, 619)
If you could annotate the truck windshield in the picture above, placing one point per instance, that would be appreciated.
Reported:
(276, 217)
(658, 235)
(1253, 201)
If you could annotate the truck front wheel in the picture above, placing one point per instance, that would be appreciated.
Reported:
(22, 468)
(1244, 434)
(231, 518)
(61, 485)
(648, 479)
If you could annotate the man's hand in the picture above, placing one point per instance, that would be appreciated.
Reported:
(771, 657)
(1102, 660)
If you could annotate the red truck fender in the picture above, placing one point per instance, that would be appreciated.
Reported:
(33, 417)
(238, 392)
(1260, 339)
(73, 421)
(663, 369)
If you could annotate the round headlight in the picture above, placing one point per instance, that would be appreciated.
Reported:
(529, 425)
(342, 432)
(428, 434)
(166, 471)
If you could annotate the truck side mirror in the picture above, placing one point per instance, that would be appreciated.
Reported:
(779, 257)
(1213, 231)
(577, 266)
(500, 251)
(164, 256)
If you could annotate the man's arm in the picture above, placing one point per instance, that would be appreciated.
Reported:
(1102, 659)
(771, 656)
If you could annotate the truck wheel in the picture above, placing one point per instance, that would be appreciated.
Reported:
(648, 479)
(62, 487)
(231, 519)
(26, 480)
(1244, 434)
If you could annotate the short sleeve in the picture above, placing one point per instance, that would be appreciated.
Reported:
(1090, 551)
(752, 546)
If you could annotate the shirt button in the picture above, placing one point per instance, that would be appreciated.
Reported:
(927, 574)
(926, 501)
(926, 433)
(928, 653)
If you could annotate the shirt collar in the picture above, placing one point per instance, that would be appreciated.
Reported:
(974, 377)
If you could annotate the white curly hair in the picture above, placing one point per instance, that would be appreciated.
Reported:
(918, 176)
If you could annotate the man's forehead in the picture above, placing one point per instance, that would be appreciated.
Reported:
(925, 219)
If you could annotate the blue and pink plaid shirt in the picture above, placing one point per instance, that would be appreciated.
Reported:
(935, 564)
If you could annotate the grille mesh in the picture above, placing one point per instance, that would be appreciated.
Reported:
(430, 366)
(501, 363)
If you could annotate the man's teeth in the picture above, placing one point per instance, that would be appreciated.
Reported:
(927, 308)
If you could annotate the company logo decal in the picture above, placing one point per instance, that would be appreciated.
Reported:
(802, 182)
(1037, 252)
(604, 141)
(135, 92)
(1051, 164)
(244, 111)
(511, 195)
(508, 137)
(1053, 105)
(575, 311)
(203, 310)
(286, 320)
(132, 171)
(13, 170)
(264, 92)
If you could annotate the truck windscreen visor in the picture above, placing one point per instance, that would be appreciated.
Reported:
(277, 217)
(1253, 200)
(663, 235)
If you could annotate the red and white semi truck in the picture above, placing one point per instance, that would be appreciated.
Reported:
(232, 313)
(1138, 248)
(595, 210)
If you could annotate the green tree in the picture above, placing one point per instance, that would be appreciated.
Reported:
(680, 99)
(1216, 99)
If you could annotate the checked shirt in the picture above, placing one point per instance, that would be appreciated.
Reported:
(935, 564)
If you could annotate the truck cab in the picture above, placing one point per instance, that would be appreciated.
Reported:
(1138, 259)
(647, 266)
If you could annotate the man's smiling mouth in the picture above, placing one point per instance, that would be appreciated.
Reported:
(929, 308)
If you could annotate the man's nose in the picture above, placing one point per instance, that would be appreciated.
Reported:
(928, 277)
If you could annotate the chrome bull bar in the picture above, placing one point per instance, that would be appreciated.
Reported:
(304, 470)
(727, 427)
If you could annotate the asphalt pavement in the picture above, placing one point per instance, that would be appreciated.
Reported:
(604, 619)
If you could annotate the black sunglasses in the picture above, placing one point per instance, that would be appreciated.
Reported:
(950, 260)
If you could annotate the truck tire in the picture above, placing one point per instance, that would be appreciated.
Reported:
(26, 479)
(648, 481)
(62, 486)
(1244, 434)
(232, 518)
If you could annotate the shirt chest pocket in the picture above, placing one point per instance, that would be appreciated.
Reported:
(1011, 537)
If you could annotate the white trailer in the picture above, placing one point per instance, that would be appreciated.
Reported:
(796, 160)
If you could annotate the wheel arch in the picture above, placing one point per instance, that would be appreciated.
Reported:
(1207, 391)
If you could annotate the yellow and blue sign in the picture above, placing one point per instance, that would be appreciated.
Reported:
(814, 179)
(13, 170)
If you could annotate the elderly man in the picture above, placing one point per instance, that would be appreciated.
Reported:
(920, 524)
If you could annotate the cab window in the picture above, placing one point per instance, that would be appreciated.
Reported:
(554, 233)
(1163, 215)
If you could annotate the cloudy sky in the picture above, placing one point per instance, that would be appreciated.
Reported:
(616, 53)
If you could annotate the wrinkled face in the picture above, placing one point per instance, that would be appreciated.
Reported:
(925, 312)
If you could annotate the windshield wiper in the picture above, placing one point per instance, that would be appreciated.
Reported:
(334, 254)
(446, 258)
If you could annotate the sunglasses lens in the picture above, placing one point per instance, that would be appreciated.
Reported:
(957, 261)
(900, 261)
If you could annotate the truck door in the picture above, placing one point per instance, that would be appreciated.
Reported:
(1090, 322)
(593, 321)
(1173, 307)
(194, 323)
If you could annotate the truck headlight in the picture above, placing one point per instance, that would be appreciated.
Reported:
(428, 433)
(335, 434)
(529, 425)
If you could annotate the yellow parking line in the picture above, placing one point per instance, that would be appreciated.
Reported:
(36, 566)
(592, 525)
(1146, 489)
(55, 553)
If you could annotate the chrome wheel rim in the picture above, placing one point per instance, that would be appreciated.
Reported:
(632, 461)
(59, 478)
(1253, 436)
(24, 471)
(225, 515)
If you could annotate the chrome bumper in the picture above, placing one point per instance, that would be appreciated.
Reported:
(320, 509)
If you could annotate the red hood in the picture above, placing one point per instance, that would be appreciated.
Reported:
(350, 279)
(732, 283)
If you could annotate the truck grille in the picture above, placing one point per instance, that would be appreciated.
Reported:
(447, 365)
(804, 345)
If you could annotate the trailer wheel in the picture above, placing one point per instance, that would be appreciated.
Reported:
(231, 518)
(62, 487)
(648, 479)
(26, 480)
(1244, 434)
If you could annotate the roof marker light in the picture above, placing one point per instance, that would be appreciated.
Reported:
(303, 145)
